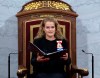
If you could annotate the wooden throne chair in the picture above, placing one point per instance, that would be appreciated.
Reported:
(29, 19)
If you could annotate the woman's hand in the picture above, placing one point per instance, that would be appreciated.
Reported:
(65, 56)
(41, 58)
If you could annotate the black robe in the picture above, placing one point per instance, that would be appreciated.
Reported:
(53, 67)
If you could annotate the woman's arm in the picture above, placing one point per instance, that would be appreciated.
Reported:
(33, 59)
(66, 56)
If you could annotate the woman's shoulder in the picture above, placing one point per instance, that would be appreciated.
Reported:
(63, 40)
(38, 40)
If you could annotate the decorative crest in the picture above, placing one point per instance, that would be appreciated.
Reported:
(45, 4)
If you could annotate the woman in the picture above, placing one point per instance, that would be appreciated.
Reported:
(49, 38)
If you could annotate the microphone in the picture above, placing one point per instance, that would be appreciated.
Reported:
(86, 53)
(92, 62)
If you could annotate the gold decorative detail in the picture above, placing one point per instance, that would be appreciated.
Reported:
(85, 69)
(63, 30)
(47, 15)
(50, 15)
(33, 5)
(31, 31)
(47, 4)
(21, 70)
(59, 5)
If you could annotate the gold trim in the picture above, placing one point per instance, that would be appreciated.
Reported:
(31, 40)
(63, 28)
(24, 43)
(46, 4)
(31, 31)
(47, 15)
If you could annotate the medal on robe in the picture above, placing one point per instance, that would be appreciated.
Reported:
(59, 45)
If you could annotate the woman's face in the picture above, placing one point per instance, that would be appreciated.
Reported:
(49, 29)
